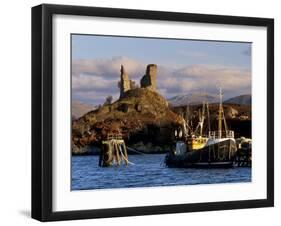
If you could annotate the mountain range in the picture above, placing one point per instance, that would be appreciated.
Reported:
(242, 99)
(198, 98)
(79, 109)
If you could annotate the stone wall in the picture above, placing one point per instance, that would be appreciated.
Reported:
(149, 80)
(124, 82)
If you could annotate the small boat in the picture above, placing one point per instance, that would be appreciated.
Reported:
(216, 149)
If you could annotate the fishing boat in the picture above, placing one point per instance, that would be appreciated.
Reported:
(212, 149)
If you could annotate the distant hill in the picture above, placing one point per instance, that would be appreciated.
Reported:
(242, 99)
(79, 109)
(192, 99)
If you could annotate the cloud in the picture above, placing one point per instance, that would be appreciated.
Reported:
(93, 97)
(93, 80)
(193, 54)
(107, 68)
(207, 78)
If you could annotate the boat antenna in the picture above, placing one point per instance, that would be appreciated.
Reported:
(220, 114)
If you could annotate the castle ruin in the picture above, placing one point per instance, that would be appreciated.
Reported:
(124, 82)
(148, 81)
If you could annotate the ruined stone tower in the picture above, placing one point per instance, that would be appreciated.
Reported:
(124, 81)
(149, 80)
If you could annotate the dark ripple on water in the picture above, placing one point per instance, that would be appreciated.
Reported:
(148, 171)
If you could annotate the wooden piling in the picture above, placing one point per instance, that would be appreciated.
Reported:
(125, 153)
(113, 151)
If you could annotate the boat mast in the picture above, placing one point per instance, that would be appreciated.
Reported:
(208, 115)
(202, 118)
(188, 121)
(187, 114)
(220, 115)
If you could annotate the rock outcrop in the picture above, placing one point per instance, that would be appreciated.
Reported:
(231, 112)
(149, 80)
(141, 115)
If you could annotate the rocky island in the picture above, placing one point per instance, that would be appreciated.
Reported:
(141, 115)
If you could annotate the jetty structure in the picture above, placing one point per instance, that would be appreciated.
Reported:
(113, 151)
(212, 149)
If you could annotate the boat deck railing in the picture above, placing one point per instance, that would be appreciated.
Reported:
(221, 134)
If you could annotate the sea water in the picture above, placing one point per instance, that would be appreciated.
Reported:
(148, 170)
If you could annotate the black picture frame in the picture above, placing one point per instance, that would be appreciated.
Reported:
(42, 107)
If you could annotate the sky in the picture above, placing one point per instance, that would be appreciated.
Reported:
(184, 66)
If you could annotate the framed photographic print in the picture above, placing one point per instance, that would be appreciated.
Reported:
(145, 112)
